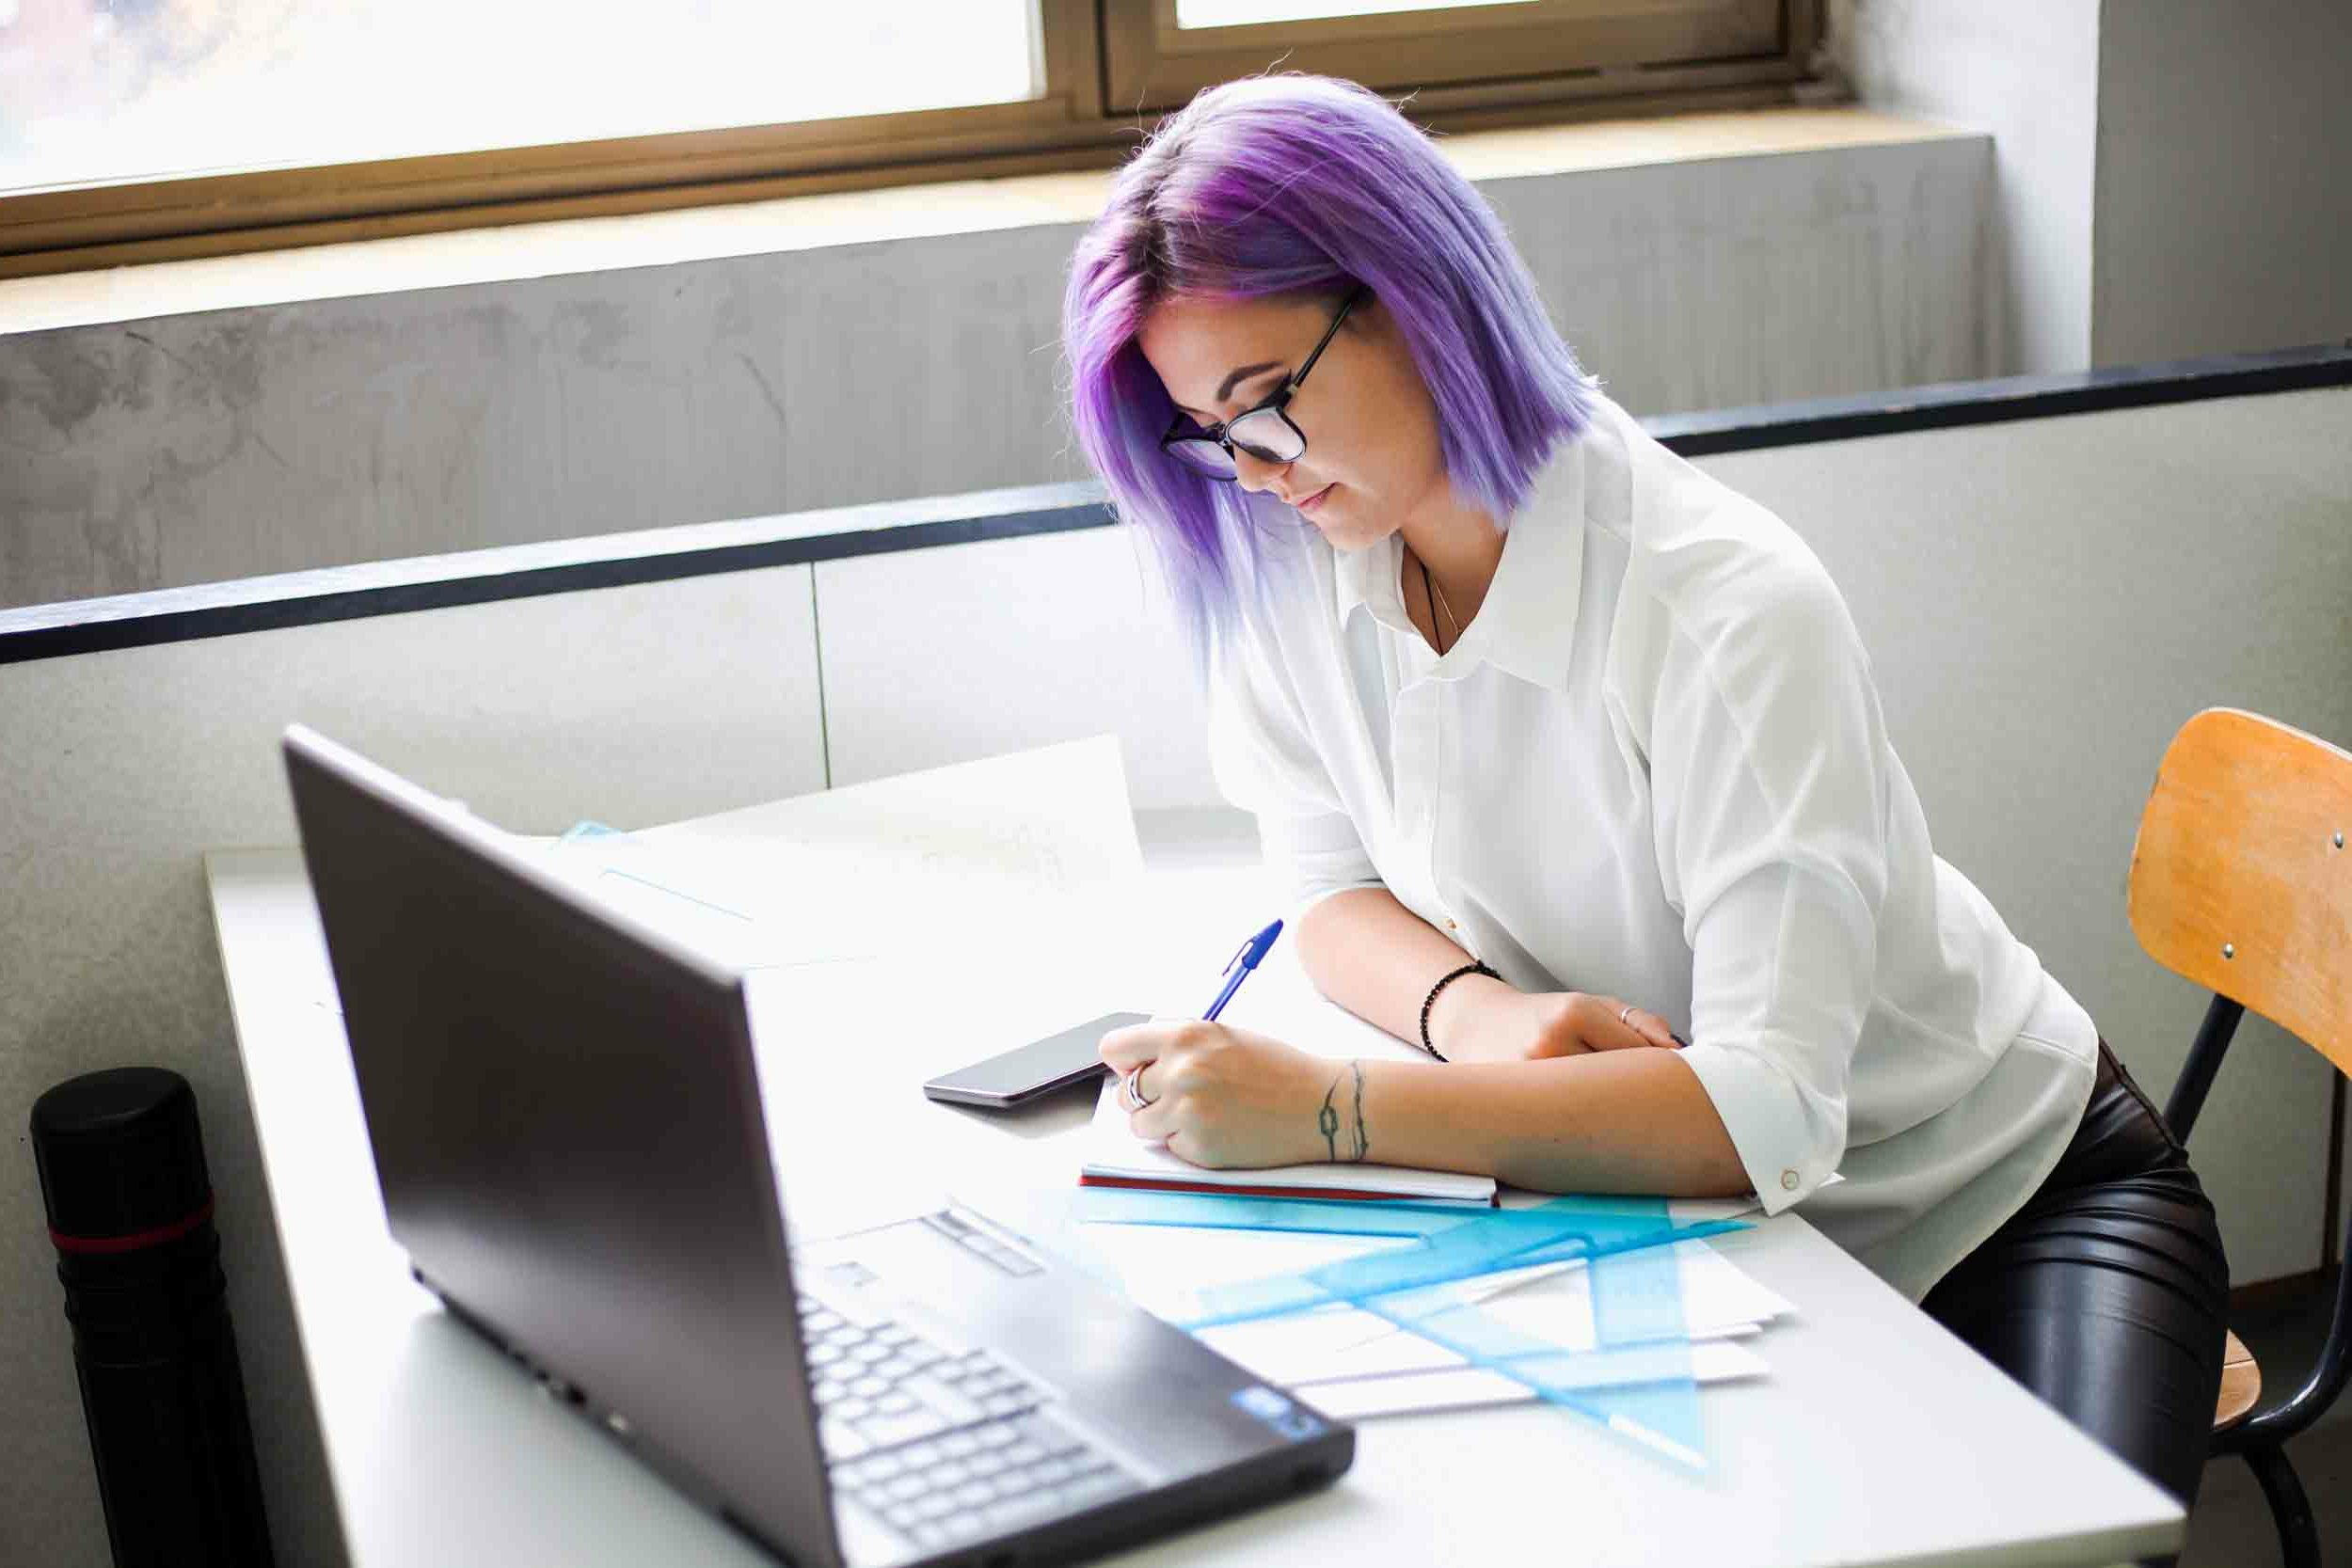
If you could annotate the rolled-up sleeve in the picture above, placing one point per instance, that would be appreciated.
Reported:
(1769, 782)
(1264, 763)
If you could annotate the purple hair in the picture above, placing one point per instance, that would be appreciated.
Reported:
(1295, 184)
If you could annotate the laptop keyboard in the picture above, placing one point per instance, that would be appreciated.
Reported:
(943, 1447)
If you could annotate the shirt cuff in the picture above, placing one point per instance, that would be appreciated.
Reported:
(1781, 1145)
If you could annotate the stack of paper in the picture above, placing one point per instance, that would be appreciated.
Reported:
(1350, 1363)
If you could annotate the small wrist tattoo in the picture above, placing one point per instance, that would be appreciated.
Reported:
(1354, 1145)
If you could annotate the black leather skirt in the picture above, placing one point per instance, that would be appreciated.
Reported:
(2107, 1294)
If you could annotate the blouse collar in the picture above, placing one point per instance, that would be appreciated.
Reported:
(1527, 625)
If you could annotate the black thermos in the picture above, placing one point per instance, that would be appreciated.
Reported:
(130, 1206)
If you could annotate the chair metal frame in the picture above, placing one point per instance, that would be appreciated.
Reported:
(2260, 1438)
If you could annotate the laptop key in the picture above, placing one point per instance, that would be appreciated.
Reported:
(1051, 1436)
(839, 1440)
(888, 1432)
(1011, 1514)
(953, 1406)
(963, 1527)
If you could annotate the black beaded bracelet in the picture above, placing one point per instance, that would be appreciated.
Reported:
(1431, 1000)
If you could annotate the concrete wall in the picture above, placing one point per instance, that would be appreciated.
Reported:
(200, 448)
(2224, 218)
(2168, 174)
(2027, 72)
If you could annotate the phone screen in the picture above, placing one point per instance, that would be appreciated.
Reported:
(1039, 1068)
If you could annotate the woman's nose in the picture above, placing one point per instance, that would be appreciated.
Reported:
(1255, 473)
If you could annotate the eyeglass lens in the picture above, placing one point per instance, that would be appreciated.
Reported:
(1263, 433)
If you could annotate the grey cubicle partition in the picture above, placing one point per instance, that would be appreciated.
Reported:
(2050, 576)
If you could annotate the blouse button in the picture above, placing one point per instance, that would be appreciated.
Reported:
(1787, 1181)
(1450, 925)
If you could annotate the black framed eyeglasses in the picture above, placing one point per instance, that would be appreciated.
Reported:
(1265, 432)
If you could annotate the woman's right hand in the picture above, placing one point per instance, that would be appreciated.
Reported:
(1493, 1022)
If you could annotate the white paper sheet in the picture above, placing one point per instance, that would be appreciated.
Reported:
(1467, 1387)
(997, 850)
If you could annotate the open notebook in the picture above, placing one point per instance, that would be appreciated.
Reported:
(1278, 1001)
(1116, 1158)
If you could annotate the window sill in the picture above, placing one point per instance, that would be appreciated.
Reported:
(810, 222)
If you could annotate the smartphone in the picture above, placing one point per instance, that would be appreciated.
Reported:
(1034, 1070)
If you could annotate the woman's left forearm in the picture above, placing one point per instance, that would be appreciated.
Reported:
(1612, 1121)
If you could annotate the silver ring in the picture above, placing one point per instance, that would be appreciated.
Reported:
(1131, 1088)
(1625, 1015)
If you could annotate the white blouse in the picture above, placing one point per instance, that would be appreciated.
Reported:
(1655, 767)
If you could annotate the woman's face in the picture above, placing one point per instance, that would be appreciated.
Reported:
(1371, 431)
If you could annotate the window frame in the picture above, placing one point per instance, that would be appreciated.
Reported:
(1072, 125)
(1535, 52)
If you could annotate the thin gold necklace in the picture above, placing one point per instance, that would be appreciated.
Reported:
(1436, 597)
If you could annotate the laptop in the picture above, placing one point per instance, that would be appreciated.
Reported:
(567, 1122)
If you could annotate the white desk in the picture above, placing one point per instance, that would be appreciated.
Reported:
(1878, 1438)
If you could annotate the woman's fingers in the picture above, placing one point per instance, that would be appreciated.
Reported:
(1625, 1026)
(1155, 1119)
(1653, 1029)
(1123, 1049)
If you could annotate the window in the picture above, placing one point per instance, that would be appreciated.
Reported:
(138, 130)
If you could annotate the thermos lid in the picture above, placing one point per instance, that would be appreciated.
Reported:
(120, 1156)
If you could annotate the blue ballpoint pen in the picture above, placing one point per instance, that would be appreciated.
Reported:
(1239, 966)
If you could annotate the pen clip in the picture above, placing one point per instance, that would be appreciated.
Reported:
(1239, 952)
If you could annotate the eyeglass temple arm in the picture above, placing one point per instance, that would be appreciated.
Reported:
(1321, 343)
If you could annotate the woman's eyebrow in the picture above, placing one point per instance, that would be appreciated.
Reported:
(1225, 388)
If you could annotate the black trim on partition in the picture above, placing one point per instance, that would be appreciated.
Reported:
(2023, 397)
(526, 571)
(656, 555)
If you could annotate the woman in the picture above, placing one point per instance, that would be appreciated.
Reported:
(1572, 752)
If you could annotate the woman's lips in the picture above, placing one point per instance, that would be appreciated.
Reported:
(1316, 500)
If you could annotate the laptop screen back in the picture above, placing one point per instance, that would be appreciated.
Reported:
(567, 1128)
